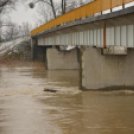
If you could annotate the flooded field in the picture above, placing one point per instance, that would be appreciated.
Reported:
(26, 109)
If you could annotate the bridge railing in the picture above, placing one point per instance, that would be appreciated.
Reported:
(97, 6)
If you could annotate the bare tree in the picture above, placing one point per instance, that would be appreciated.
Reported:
(6, 4)
(15, 30)
(44, 14)
(12, 31)
(25, 28)
(3, 25)
(48, 2)
(81, 2)
(0, 30)
(5, 7)
(63, 6)
(68, 5)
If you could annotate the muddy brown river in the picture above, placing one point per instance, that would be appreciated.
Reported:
(26, 109)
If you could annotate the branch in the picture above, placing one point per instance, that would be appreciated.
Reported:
(43, 1)
(50, 3)
(6, 25)
(4, 3)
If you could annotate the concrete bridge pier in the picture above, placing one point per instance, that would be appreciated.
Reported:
(106, 72)
(62, 60)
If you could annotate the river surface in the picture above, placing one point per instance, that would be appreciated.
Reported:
(26, 109)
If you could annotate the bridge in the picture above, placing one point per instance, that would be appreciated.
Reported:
(104, 41)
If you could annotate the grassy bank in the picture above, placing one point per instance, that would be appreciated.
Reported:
(9, 63)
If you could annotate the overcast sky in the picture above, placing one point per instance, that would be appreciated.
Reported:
(21, 15)
(24, 14)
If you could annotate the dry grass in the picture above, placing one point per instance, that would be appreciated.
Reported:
(12, 64)
(38, 66)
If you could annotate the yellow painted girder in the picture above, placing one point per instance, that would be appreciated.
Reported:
(96, 6)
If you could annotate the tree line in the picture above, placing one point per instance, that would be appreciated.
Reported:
(46, 11)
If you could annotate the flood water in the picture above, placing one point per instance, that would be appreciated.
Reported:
(26, 109)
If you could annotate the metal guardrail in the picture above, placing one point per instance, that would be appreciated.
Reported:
(97, 6)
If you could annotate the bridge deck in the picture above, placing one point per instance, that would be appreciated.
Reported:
(127, 11)
(97, 6)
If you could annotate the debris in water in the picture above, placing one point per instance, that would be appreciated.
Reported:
(50, 90)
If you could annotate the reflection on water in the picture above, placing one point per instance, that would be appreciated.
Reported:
(93, 112)
(26, 109)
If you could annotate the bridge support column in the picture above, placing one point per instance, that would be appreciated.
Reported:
(107, 72)
(38, 52)
(33, 48)
(62, 60)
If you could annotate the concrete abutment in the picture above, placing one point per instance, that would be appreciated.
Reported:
(62, 60)
(107, 72)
